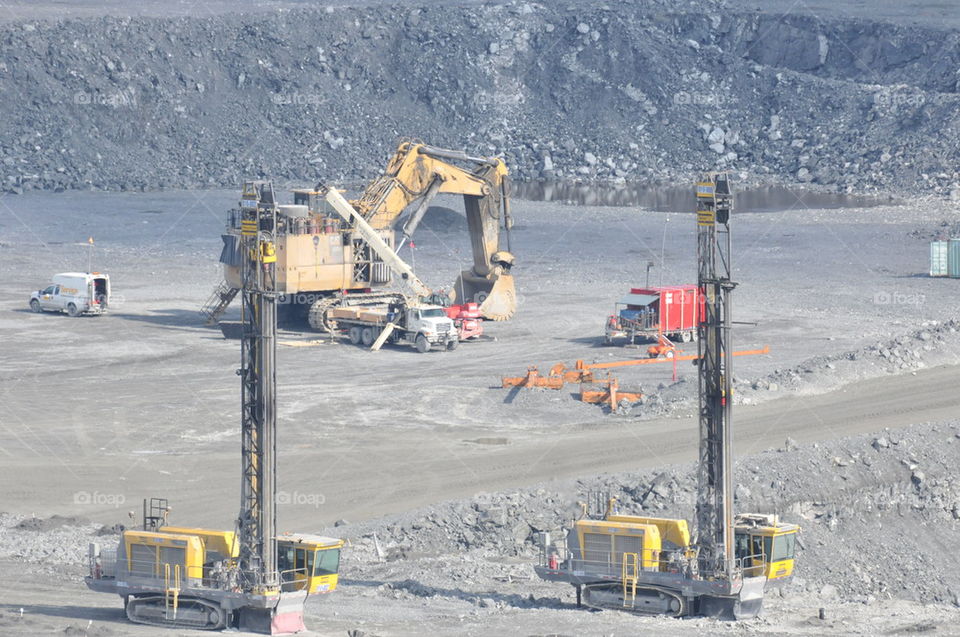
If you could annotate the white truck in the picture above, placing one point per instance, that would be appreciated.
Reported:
(424, 327)
(75, 293)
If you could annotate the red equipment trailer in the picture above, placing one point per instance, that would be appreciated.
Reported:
(467, 319)
(647, 313)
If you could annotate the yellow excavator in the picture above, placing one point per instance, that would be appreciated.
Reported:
(325, 259)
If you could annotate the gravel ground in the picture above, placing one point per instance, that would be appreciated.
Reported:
(382, 455)
(849, 426)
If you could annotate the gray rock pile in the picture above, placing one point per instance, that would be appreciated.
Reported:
(877, 512)
(644, 90)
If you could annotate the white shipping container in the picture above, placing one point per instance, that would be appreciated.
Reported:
(938, 258)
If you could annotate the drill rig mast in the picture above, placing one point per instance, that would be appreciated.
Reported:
(257, 522)
(714, 510)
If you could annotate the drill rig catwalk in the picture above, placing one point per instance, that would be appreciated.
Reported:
(652, 565)
(250, 578)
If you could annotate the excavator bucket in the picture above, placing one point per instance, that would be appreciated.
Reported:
(497, 296)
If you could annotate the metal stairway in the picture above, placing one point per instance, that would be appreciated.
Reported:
(218, 302)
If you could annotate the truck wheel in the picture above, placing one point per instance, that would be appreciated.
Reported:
(355, 335)
(452, 345)
(423, 345)
(72, 310)
(367, 336)
(35, 306)
(685, 337)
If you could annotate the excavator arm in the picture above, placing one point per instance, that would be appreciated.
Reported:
(418, 172)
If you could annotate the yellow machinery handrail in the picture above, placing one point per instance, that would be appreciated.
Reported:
(171, 592)
(629, 577)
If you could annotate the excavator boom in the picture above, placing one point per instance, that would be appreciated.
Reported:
(420, 172)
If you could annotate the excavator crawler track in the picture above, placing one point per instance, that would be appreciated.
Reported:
(317, 315)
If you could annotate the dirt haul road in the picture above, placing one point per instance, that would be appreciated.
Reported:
(380, 475)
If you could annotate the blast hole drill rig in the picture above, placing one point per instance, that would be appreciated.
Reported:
(250, 578)
(653, 565)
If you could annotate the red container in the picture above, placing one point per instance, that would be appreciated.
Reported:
(679, 308)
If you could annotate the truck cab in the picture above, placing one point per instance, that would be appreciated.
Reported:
(74, 293)
(428, 326)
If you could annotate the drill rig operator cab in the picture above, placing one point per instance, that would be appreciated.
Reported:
(766, 546)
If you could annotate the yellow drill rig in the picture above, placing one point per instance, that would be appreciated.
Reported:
(250, 578)
(325, 256)
(655, 565)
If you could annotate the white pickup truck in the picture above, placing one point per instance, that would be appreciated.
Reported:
(422, 326)
(75, 293)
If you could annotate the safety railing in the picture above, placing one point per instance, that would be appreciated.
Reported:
(642, 322)
(647, 560)
(294, 579)
(309, 225)
(153, 573)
